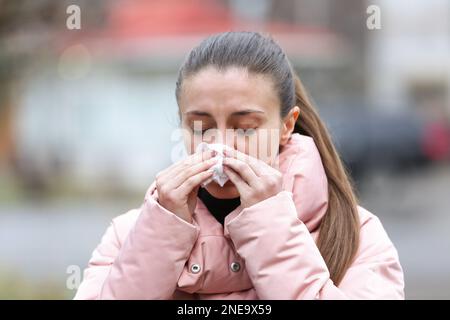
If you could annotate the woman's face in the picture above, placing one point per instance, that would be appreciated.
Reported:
(236, 108)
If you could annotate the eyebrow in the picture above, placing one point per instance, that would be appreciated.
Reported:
(237, 113)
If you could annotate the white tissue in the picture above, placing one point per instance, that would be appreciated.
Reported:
(218, 175)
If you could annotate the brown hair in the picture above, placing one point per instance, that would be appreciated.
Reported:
(339, 229)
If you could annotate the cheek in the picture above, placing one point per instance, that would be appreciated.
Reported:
(263, 144)
(188, 145)
(190, 142)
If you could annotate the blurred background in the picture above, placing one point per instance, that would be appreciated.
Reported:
(86, 117)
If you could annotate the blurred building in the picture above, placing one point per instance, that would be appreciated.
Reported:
(96, 107)
(408, 60)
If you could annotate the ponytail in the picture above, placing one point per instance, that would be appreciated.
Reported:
(339, 229)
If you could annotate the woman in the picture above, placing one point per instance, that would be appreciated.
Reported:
(284, 227)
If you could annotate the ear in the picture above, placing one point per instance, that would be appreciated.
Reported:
(288, 124)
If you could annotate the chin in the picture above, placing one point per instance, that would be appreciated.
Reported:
(228, 191)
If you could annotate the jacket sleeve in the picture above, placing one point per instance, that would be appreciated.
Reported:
(147, 265)
(283, 261)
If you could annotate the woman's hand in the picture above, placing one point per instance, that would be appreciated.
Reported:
(177, 185)
(254, 179)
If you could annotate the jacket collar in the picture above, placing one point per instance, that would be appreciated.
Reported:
(304, 177)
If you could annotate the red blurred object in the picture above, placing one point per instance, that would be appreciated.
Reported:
(164, 17)
(436, 143)
(169, 28)
(138, 18)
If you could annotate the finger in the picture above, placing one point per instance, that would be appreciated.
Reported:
(240, 184)
(178, 167)
(176, 180)
(194, 181)
(256, 164)
(200, 156)
(243, 169)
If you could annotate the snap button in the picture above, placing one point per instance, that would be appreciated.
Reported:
(235, 266)
(195, 268)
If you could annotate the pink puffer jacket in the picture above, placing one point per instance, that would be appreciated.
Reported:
(266, 251)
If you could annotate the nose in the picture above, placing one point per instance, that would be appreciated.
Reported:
(226, 136)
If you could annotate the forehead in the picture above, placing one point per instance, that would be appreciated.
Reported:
(226, 91)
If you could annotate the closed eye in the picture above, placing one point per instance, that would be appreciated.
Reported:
(247, 131)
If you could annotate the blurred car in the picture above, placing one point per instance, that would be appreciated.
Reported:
(367, 138)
